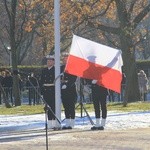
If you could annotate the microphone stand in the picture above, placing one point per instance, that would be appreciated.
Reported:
(46, 128)
(46, 108)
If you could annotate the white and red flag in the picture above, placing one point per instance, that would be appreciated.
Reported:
(91, 60)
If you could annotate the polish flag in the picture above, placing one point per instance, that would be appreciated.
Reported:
(91, 60)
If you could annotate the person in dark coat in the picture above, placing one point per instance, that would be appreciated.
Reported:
(123, 86)
(2, 75)
(99, 95)
(48, 89)
(68, 95)
(7, 83)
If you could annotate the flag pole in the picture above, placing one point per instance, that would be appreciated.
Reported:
(57, 59)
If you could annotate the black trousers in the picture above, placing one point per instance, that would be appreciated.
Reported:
(9, 94)
(68, 100)
(99, 95)
(49, 97)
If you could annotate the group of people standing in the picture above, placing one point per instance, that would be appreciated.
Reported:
(30, 83)
(69, 96)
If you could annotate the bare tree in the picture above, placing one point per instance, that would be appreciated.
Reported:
(11, 12)
(127, 23)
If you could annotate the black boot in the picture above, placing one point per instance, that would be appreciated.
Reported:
(65, 127)
(101, 128)
(94, 128)
(97, 128)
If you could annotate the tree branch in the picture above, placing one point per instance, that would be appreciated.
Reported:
(103, 12)
(107, 29)
(141, 15)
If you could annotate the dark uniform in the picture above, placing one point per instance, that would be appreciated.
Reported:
(68, 96)
(99, 95)
(48, 89)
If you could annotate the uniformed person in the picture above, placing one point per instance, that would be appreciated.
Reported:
(99, 95)
(48, 89)
(68, 95)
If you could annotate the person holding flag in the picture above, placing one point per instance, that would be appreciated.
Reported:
(68, 95)
(99, 96)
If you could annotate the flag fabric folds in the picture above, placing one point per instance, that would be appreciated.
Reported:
(91, 60)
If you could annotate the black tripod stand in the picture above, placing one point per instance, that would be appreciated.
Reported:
(81, 105)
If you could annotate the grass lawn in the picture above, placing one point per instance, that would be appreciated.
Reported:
(38, 109)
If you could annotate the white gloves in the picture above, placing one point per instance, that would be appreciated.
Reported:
(64, 87)
(94, 81)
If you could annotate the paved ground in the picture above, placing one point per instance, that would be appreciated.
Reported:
(78, 139)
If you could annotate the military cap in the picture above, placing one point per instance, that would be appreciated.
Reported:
(50, 57)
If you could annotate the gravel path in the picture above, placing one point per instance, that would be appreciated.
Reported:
(78, 139)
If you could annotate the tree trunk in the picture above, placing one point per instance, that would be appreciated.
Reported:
(14, 57)
(126, 32)
(132, 91)
(16, 90)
